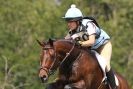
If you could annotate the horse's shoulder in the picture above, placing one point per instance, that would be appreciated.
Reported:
(88, 51)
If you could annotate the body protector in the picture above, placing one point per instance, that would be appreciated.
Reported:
(82, 33)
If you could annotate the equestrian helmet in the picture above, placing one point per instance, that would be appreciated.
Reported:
(73, 14)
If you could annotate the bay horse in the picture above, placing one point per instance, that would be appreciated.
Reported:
(76, 66)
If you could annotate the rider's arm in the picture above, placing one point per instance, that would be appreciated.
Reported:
(89, 42)
(91, 29)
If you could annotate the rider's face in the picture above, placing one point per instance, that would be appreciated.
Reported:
(72, 25)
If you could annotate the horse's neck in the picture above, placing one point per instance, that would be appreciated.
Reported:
(71, 55)
(69, 58)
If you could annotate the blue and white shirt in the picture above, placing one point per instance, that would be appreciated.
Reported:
(88, 28)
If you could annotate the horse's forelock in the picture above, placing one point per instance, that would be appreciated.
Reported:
(48, 42)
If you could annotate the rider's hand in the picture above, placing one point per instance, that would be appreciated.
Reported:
(78, 43)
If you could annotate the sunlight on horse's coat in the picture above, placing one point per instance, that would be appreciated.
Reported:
(74, 68)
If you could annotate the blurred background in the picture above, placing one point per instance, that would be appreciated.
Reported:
(24, 21)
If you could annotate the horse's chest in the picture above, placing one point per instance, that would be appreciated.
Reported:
(75, 68)
(74, 72)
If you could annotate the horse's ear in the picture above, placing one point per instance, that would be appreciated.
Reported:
(40, 43)
(51, 41)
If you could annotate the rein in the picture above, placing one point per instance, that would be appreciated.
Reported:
(67, 54)
(55, 58)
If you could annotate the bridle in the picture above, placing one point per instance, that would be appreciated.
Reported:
(49, 70)
(67, 54)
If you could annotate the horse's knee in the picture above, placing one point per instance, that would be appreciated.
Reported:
(77, 85)
(55, 86)
(52, 86)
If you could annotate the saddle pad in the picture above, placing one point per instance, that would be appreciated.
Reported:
(102, 63)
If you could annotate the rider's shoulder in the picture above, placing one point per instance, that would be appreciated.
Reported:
(86, 21)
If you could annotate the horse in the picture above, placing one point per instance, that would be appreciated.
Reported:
(77, 66)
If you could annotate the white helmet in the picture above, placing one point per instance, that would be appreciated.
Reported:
(73, 13)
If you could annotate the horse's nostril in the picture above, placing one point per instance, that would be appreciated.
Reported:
(44, 79)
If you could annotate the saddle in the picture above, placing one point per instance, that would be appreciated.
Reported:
(103, 65)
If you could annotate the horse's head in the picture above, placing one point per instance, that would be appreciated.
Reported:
(53, 53)
(47, 58)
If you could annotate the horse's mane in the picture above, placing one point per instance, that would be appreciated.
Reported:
(65, 42)
(73, 42)
(70, 41)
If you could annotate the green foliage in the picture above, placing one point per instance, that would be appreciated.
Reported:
(24, 21)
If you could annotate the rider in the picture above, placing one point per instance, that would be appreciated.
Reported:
(89, 34)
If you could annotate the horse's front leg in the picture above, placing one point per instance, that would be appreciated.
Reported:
(62, 85)
(77, 85)
(56, 85)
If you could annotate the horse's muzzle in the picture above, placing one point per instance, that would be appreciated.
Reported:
(44, 79)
